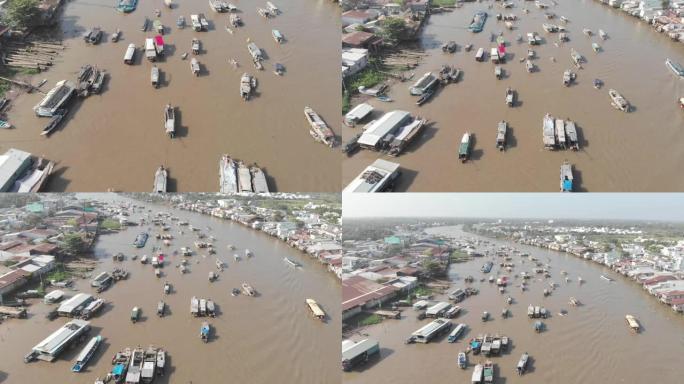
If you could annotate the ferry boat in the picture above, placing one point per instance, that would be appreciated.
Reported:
(676, 68)
(228, 175)
(464, 148)
(170, 120)
(247, 85)
(86, 353)
(248, 290)
(618, 102)
(277, 36)
(315, 309)
(453, 336)
(319, 130)
(160, 178)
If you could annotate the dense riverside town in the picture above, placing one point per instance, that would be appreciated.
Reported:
(508, 300)
(420, 102)
(106, 275)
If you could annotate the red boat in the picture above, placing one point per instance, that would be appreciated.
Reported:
(159, 42)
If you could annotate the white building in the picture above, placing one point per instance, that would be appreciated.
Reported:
(354, 60)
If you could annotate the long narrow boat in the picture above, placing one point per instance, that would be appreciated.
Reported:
(291, 262)
(160, 178)
(319, 130)
(195, 67)
(170, 120)
(228, 175)
(464, 148)
(676, 68)
(603, 34)
(161, 361)
(566, 177)
(272, 8)
(244, 178)
(55, 120)
(86, 353)
(522, 363)
(633, 323)
(154, 76)
(501, 129)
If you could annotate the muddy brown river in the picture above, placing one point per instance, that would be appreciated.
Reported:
(636, 151)
(116, 140)
(264, 339)
(591, 344)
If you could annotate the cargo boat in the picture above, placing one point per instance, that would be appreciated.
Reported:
(359, 353)
(319, 130)
(464, 148)
(501, 129)
(228, 175)
(247, 85)
(170, 120)
(244, 178)
(618, 102)
(316, 310)
(259, 182)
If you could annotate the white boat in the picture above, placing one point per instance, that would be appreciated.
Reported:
(603, 34)
(248, 290)
(160, 178)
(277, 36)
(154, 76)
(86, 353)
(170, 120)
(195, 67)
(228, 175)
(247, 85)
(272, 8)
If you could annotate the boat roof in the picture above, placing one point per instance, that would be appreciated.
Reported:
(60, 337)
(73, 303)
(430, 328)
(383, 126)
(358, 348)
(360, 111)
(361, 183)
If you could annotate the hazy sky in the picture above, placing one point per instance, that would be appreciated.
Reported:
(651, 206)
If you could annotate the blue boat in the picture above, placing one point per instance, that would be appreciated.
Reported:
(462, 360)
(127, 6)
(86, 353)
(141, 240)
(477, 25)
(384, 98)
(204, 332)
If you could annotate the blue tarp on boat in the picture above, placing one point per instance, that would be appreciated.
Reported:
(118, 369)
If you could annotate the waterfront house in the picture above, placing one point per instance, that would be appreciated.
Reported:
(359, 293)
(354, 60)
(361, 39)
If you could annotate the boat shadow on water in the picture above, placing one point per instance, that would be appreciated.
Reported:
(511, 141)
(181, 130)
(56, 182)
(406, 178)
(577, 180)
(171, 184)
(475, 153)
(377, 358)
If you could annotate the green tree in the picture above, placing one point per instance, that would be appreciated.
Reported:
(73, 244)
(432, 267)
(393, 30)
(21, 13)
(33, 220)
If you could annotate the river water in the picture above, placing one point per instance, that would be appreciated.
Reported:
(591, 344)
(265, 339)
(620, 151)
(117, 140)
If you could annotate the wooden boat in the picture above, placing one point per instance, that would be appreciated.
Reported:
(86, 353)
(633, 323)
(212, 276)
(55, 120)
(576, 58)
(427, 95)
(204, 331)
(127, 6)
(158, 26)
(566, 177)
(170, 120)
(272, 8)
(235, 20)
(488, 372)
(265, 13)
(618, 102)
(116, 35)
(522, 364)
(464, 148)
(161, 307)
(248, 290)
(587, 31)
(468, 47)
(229, 30)
(501, 129)
(568, 77)
(203, 22)
(462, 360)
(676, 68)
(160, 361)
(510, 97)
(195, 47)
(180, 23)
(247, 85)
(145, 25)
(279, 69)
(574, 302)
(157, 272)
(597, 83)
(529, 66)
(135, 314)
(498, 72)
(154, 76)
(195, 67)
(319, 130)
(160, 177)
(477, 374)
(595, 47)
(315, 309)
(538, 326)
(603, 34)
(277, 36)
(485, 316)
(291, 262)
(211, 308)
(167, 288)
